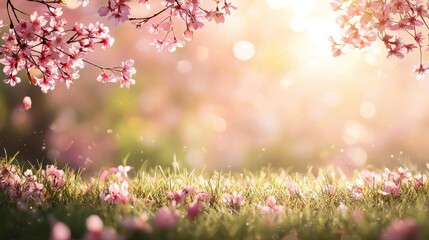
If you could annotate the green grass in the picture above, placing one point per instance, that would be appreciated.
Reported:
(310, 214)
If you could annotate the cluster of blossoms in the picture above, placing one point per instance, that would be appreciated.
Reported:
(191, 13)
(41, 45)
(401, 25)
(387, 183)
(189, 202)
(28, 186)
(117, 192)
(51, 51)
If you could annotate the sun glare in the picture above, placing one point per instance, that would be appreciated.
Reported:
(244, 50)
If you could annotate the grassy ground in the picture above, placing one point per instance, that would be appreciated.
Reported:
(177, 203)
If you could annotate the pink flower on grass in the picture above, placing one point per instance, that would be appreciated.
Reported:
(194, 209)
(116, 194)
(55, 176)
(357, 188)
(179, 196)
(60, 231)
(97, 231)
(94, 224)
(419, 180)
(390, 188)
(121, 172)
(342, 208)
(401, 229)
(235, 200)
(203, 196)
(165, 218)
(293, 189)
(272, 206)
(139, 223)
(328, 189)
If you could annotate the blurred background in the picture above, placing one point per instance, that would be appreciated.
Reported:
(261, 89)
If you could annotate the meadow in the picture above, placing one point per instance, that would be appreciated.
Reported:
(177, 203)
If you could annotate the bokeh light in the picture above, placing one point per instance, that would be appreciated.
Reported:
(261, 89)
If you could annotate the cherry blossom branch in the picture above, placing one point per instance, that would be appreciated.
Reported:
(50, 53)
(190, 13)
(362, 22)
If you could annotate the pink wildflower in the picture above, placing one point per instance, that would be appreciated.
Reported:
(271, 207)
(122, 172)
(419, 180)
(94, 224)
(194, 209)
(55, 176)
(138, 223)
(293, 189)
(235, 200)
(390, 188)
(116, 194)
(165, 218)
(179, 196)
(97, 231)
(328, 189)
(357, 188)
(342, 208)
(401, 229)
(60, 231)
(202, 196)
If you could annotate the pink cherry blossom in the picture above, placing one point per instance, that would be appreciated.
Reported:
(26, 103)
(127, 70)
(44, 40)
(203, 196)
(173, 44)
(421, 71)
(363, 22)
(227, 7)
